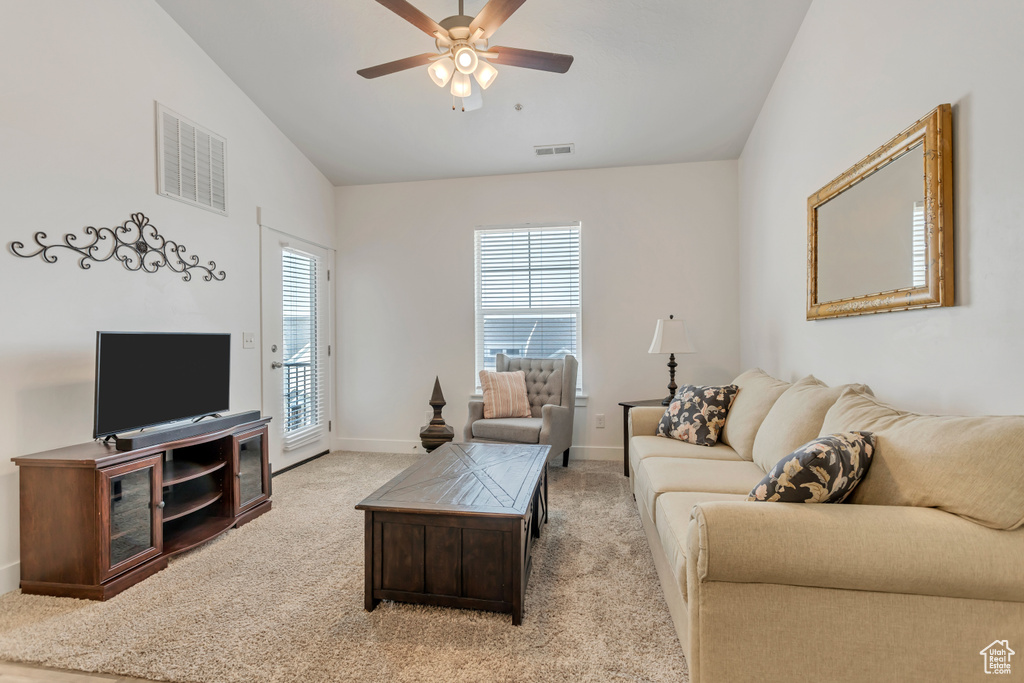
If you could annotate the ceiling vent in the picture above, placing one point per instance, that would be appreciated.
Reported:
(190, 162)
(554, 150)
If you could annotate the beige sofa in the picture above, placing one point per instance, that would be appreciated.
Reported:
(909, 580)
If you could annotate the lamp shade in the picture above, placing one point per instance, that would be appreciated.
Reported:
(441, 71)
(670, 337)
(466, 60)
(461, 85)
(485, 74)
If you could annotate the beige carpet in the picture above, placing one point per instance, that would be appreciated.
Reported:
(281, 599)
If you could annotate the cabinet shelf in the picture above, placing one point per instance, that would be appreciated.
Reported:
(189, 537)
(178, 471)
(179, 508)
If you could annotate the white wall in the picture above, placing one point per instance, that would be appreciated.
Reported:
(656, 240)
(79, 82)
(857, 74)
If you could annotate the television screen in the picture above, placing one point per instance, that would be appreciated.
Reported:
(145, 379)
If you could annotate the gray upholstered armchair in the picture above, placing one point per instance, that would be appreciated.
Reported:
(551, 389)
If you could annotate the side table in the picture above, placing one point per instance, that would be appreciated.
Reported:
(626, 406)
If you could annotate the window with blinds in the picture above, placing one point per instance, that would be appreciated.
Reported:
(920, 247)
(527, 293)
(304, 347)
(191, 162)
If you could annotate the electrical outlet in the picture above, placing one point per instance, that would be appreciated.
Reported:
(248, 340)
(599, 419)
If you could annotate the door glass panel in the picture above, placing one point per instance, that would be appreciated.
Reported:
(302, 349)
(131, 515)
(250, 470)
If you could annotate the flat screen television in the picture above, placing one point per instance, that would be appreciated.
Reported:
(145, 379)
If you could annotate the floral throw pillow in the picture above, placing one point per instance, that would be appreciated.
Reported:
(825, 470)
(696, 414)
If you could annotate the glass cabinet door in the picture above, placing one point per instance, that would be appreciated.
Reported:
(252, 470)
(131, 506)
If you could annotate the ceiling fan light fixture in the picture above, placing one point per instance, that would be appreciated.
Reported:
(485, 74)
(441, 71)
(461, 85)
(466, 59)
(462, 44)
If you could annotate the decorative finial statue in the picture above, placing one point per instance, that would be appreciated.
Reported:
(437, 432)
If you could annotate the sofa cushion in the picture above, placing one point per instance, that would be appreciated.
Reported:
(795, 419)
(673, 512)
(641, 447)
(825, 470)
(697, 413)
(514, 429)
(656, 476)
(909, 550)
(758, 392)
(970, 466)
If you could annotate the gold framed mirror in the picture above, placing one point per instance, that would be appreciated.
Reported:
(880, 236)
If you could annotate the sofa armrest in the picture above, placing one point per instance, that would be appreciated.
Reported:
(643, 420)
(556, 426)
(910, 550)
(476, 412)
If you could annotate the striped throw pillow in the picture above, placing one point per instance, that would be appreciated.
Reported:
(505, 394)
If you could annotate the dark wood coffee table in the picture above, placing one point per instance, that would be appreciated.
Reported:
(456, 529)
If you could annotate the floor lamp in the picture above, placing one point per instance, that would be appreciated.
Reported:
(670, 337)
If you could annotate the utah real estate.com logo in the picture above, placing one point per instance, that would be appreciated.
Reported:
(997, 657)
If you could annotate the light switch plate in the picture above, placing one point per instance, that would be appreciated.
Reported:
(248, 340)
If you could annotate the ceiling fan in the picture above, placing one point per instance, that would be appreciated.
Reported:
(462, 50)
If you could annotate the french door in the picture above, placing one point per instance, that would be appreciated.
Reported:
(297, 345)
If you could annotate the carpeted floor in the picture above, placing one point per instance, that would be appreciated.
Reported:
(281, 599)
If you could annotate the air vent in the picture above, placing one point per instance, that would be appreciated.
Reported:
(191, 162)
(554, 150)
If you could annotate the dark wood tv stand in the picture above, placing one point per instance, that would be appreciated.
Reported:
(96, 520)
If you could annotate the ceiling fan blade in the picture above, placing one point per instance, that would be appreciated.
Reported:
(474, 101)
(493, 15)
(414, 17)
(531, 59)
(397, 65)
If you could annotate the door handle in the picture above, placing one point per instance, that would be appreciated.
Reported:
(276, 365)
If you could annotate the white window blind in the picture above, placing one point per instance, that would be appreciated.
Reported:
(304, 349)
(191, 162)
(527, 293)
(920, 247)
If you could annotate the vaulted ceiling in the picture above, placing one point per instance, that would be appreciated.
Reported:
(653, 81)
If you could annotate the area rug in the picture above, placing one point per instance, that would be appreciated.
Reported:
(281, 599)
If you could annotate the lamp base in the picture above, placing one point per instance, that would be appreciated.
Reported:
(671, 379)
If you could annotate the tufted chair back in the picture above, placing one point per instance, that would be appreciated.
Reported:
(548, 380)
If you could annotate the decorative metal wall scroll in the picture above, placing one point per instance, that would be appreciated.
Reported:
(135, 243)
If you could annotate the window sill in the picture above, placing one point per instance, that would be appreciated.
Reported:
(581, 399)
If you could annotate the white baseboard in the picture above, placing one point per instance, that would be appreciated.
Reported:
(378, 446)
(10, 577)
(414, 447)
